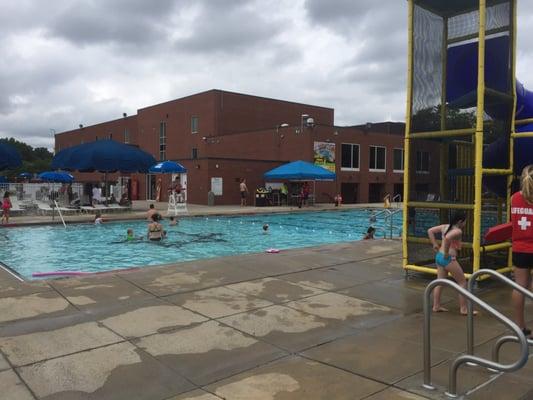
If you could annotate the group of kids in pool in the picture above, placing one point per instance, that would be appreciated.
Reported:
(155, 232)
(522, 248)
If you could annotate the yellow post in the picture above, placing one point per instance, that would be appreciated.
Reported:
(406, 156)
(511, 139)
(478, 155)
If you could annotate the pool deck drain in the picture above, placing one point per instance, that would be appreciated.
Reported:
(330, 322)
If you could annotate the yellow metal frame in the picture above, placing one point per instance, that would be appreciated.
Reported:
(465, 153)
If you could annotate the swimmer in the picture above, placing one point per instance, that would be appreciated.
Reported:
(155, 229)
(173, 221)
(98, 219)
(369, 233)
(265, 228)
(129, 235)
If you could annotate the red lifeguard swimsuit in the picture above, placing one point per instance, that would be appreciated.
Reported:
(522, 219)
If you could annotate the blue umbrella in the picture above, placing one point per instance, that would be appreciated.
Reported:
(9, 157)
(56, 176)
(167, 167)
(26, 175)
(104, 156)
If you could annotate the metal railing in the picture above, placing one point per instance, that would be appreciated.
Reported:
(59, 212)
(470, 321)
(462, 359)
(389, 214)
(397, 200)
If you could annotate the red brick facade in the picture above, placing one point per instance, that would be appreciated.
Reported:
(240, 136)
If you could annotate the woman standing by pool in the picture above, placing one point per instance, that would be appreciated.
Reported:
(522, 220)
(446, 258)
(6, 206)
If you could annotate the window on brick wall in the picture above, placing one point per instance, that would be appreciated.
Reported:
(194, 153)
(350, 157)
(397, 162)
(422, 162)
(126, 135)
(162, 141)
(194, 124)
(377, 158)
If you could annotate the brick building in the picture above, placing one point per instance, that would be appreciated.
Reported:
(219, 134)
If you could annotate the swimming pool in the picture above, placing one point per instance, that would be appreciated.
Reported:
(96, 248)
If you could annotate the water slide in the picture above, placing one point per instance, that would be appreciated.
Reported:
(461, 92)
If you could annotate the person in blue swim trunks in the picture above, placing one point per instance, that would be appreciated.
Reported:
(446, 257)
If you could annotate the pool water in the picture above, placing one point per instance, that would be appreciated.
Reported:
(96, 248)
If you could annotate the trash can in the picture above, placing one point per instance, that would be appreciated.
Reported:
(210, 198)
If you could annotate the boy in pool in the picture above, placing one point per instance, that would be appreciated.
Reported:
(129, 235)
(98, 219)
(265, 228)
(173, 221)
(369, 233)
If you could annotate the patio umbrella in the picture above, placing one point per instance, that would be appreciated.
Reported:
(167, 167)
(104, 156)
(26, 175)
(9, 157)
(56, 176)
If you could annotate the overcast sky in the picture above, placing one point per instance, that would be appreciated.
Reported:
(66, 62)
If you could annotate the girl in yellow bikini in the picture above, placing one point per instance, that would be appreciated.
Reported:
(446, 257)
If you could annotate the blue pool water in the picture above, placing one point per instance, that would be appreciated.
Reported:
(94, 248)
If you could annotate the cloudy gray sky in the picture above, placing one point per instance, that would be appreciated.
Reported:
(66, 62)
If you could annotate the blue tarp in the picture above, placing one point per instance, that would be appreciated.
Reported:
(300, 170)
(104, 156)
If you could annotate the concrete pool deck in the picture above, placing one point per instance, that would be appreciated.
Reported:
(330, 322)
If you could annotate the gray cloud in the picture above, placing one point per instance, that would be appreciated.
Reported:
(68, 62)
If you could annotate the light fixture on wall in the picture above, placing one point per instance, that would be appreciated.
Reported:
(283, 125)
(81, 126)
(124, 115)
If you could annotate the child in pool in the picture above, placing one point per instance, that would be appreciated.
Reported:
(98, 219)
(265, 228)
(129, 235)
(173, 221)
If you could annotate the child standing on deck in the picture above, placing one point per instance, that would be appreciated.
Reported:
(446, 258)
(6, 206)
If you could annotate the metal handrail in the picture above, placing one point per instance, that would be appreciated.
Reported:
(454, 366)
(470, 320)
(399, 197)
(59, 212)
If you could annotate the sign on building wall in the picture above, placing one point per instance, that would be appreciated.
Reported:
(216, 186)
(324, 155)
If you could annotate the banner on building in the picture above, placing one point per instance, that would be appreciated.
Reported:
(324, 155)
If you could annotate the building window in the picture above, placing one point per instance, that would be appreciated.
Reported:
(397, 162)
(194, 153)
(377, 158)
(194, 124)
(126, 135)
(350, 157)
(162, 141)
(422, 162)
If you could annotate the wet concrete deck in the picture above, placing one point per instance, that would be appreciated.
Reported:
(330, 322)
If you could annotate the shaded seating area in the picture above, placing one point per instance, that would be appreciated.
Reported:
(296, 174)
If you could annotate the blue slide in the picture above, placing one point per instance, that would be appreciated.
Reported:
(461, 92)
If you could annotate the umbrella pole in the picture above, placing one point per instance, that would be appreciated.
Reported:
(105, 186)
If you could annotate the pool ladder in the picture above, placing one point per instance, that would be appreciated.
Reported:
(389, 216)
(470, 358)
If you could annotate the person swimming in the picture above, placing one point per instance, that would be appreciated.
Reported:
(129, 235)
(173, 221)
(265, 228)
(155, 229)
